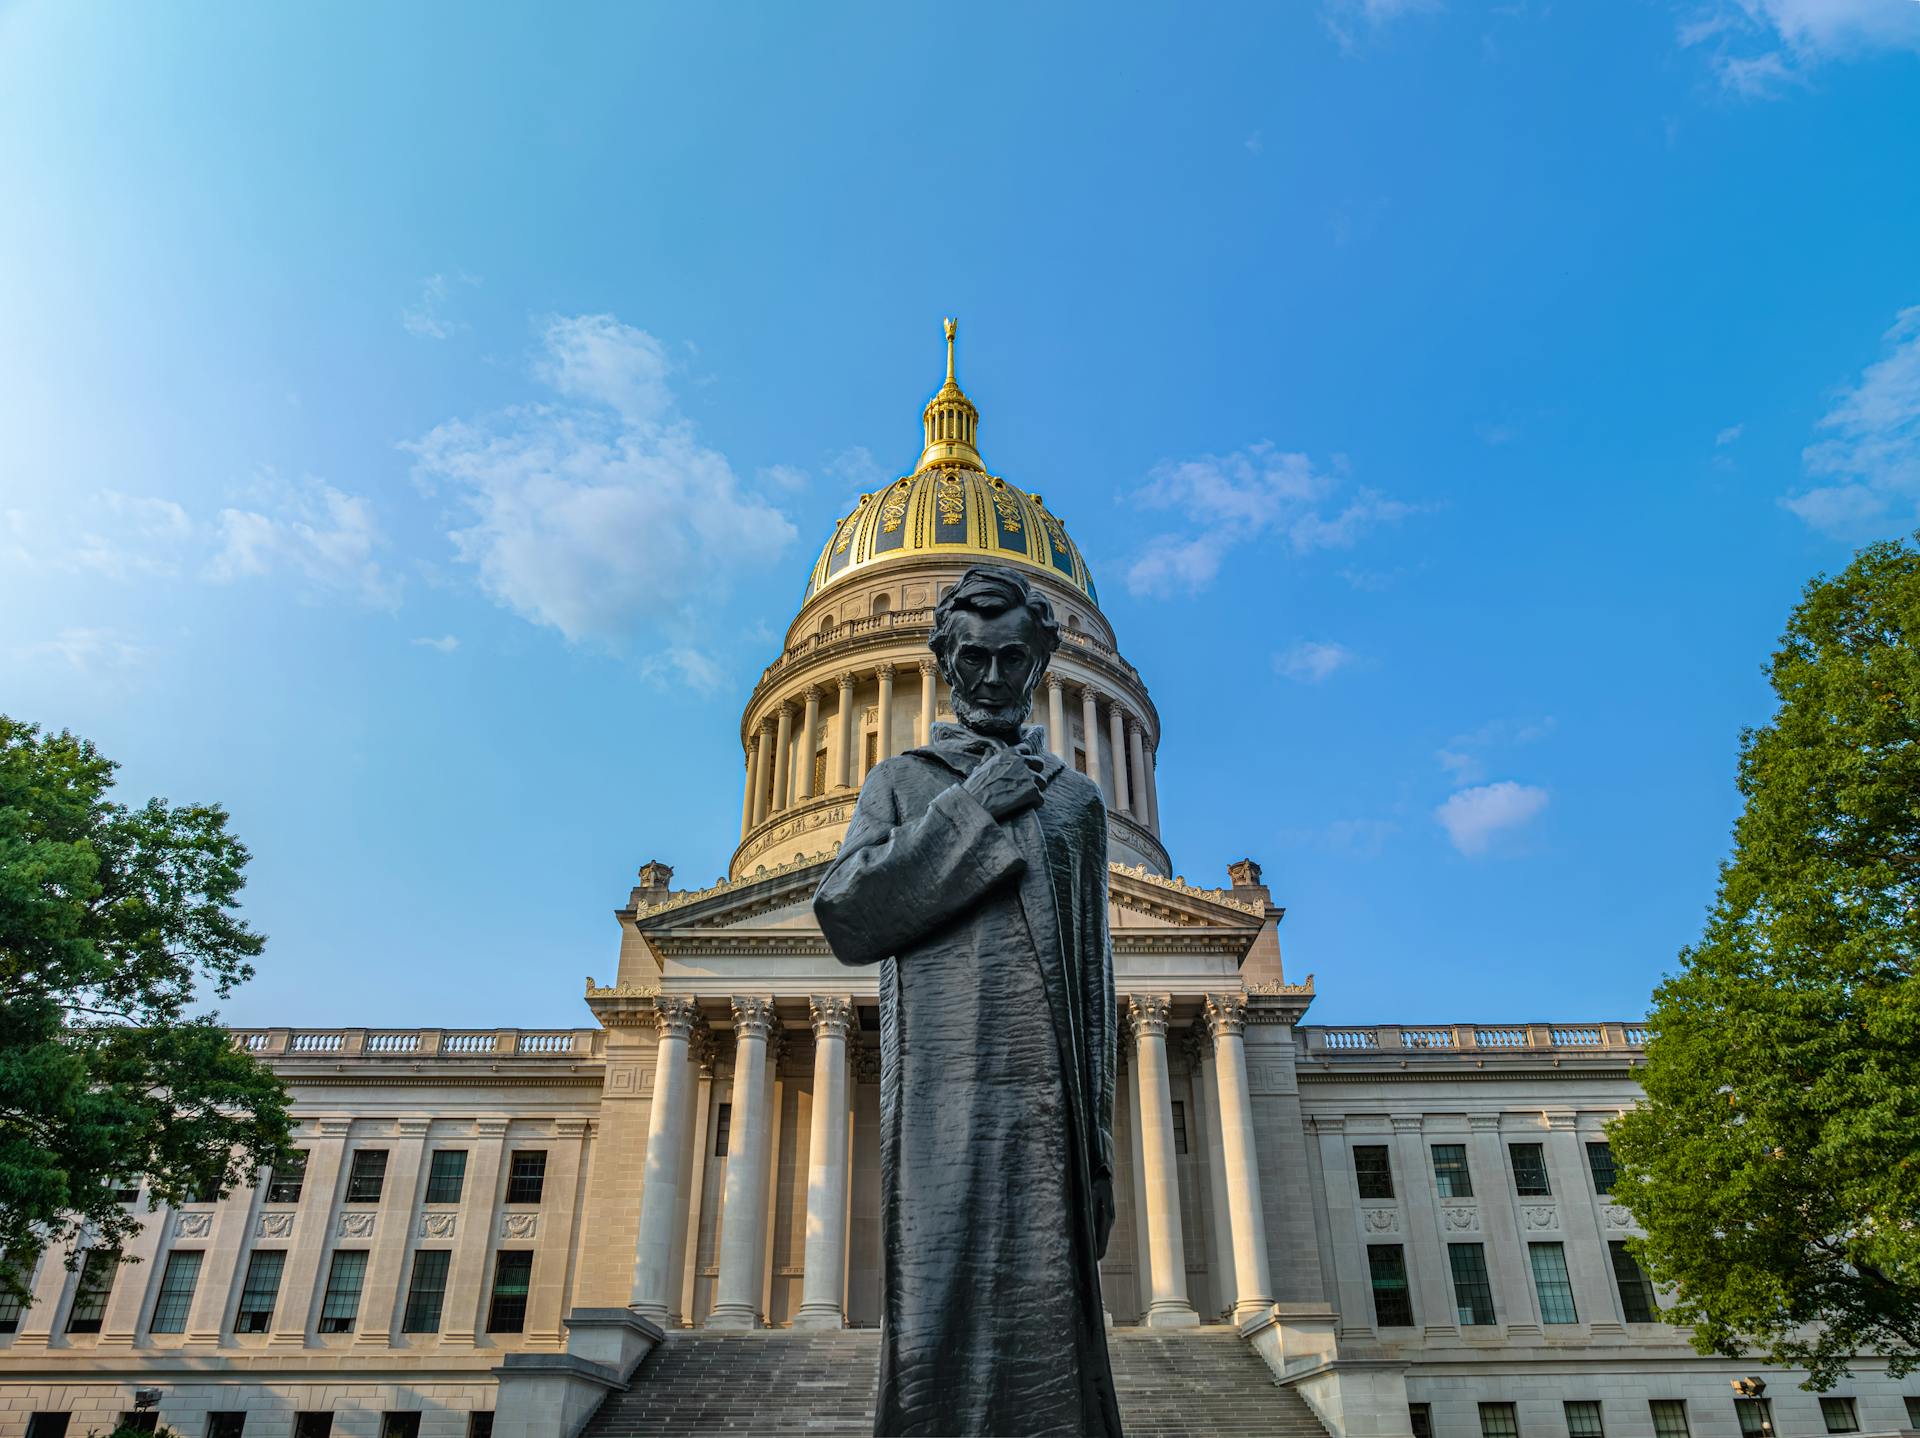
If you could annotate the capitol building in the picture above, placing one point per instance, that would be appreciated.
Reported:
(666, 1220)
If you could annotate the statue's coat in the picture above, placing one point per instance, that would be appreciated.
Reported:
(996, 1088)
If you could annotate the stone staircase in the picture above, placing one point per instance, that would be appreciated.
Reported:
(1191, 1381)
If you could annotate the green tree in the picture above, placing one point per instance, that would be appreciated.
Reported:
(111, 920)
(1775, 1165)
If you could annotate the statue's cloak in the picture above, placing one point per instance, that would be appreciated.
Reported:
(996, 1088)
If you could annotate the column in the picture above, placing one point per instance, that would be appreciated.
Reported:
(142, 1257)
(384, 1287)
(782, 752)
(762, 771)
(1508, 1268)
(1428, 1269)
(1117, 732)
(1058, 739)
(1206, 1100)
(317, 1214)
(929, 677)
(705, 1053)
(547, 1293)
(235, 1223)
(886, 712)
(753, 783)
(823, 1285)
(1151, 779)
(1168, 1307)
(737, 1294)
(49, 1284)
(1136, 756)
(1252, 1285)
(840, 760)
(1090, 721)
(1589, 1266)
(473, 1252)
(663, 1188)
(809, 742)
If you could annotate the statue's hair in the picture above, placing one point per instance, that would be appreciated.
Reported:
(989, 589)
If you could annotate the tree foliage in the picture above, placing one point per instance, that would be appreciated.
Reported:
(1775, 1165)
(111, 921)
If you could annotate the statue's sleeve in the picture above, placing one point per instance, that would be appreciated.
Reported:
(895, 883)
(1101, 1010)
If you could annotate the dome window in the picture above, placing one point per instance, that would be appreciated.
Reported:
(881, 604)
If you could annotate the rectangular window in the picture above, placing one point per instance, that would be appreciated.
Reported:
(1583, 1419)
(1392, 1302)
(447, 1175)
(1472, 1292)
(1529, 1170)
(480, 1423)
(206, 1192)
(1179, 1127)
(1913, 1411)
(368, 1175)
(285, 1180)
(820, 772)
(1372, 1171)
(1755, 1416)
(873, 749)
(48, 1425)
(428, 1292)
(126, 1190)
(1840, 1415)
(1550, 1281)
(342, 1303)
(261, 1290)
(1079, 759)
(721, 1126)
(140, 1420)
(11, 1304)
(528, 1175)
(226, 1425)
(1497, 1420)
(313, 1424)
(176, 1291)
(90, 1293)
(1669, 1418)
(1636, 1293)
(512, 1276)
(1420, 1419)
(1600, 1165)
(399, 1425)
(1450, 1173)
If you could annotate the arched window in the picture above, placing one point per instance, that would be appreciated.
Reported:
(881, 604)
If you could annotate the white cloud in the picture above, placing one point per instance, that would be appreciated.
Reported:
(445, 644)
(1255, 493)
(1728, 435)
(1473, 818)
(128, 535)
(89, 651)
(1311, 661)
(1760, 48)
(1464, 756)
(427, 318)
(602, 516)
(783, 476)
(1871, 465)
(1364, 838)
(311, 532)
(1345, 18)
(1463, 767)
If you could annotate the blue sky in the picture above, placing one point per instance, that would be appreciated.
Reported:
(416, 425)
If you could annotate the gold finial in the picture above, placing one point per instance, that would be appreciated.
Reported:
(952, 325)
(952, 423)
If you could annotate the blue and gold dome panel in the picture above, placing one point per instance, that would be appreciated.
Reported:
(951, 511)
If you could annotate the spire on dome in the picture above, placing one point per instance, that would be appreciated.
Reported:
(951, 422)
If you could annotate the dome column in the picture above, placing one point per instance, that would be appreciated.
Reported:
(1090, 722)
(929, 676)
(746, 803)
(809, 743)
(824, 1280)
(782, 754)
(1137, 756)
(1150, 777)
(1057, 738)
(1117, 732)
(761, 771)
(886, 713)
(841, 757)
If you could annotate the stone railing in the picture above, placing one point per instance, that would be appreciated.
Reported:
(1595, 1038)
(357, 1043)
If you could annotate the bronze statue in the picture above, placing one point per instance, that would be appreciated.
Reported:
(975, 874)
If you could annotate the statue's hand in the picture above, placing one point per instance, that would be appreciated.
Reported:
(1004, 785)
(1103, 1212)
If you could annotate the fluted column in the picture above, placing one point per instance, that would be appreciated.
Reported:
(737, 1294)
(823, 1286)
(886, 713)
(1058, 739)
(663, 1189)
(1137, 758)
(1252, 1281)
(1090, 721)
(840, 760)
(762, 769)
(782, 753)
(1117, 733)
(746, 803)
(1160, 1182)
(809, 744)
(929, 678)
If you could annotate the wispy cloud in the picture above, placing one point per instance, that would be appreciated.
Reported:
(1475, 818)
(427, 317)
(1728, 435)
(1759, 49)
(322, 538)
(1349, 21)
(1868, 474)
(1464, 757)
(88, 651)
(1256, 493)
(1311, 661)
(445, 644)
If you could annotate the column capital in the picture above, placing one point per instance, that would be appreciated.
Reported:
(1147, 1013)
(767, 727)
(1090, 695)
(1484, 1122)
(885, 671)
(1136, 725)
(1407, 1122)
(787, 708)
(1226, 1013)
(830, 1014)
(675, 1015)
(813, 692)
(929, 667)
(1053, 681)
(752, 1016)
(847, 681)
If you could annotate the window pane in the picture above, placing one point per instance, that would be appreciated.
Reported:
(1472, 1292)
(428, 1291)
(262, 1289)
(1583, 1419)
(11, 1304)
(1913, 1412)
(721, 1125)
(1529, 1170)
(1669, 1418)
(140, 1420)
(312, 1425)
(448, 1175)
(480, 1421)
(1550, 1281)
(1420, 1418)
(342, 1303)
(1179, 1126)
(48, 1425)
(1755, 1415)
(399, 1425)
(512, 1276)
(1450, 1173)
(225, 1425)
(1372, 1171)
(1497, 1420)
(1392, 1303)
(368, 1174)
(1636, 1293)
(1600, 1163)
(527, 1176)
(285, 1181)
(1839, 1415)
(176, 1292)
(90, 1293)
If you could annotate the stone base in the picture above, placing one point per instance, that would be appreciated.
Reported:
(732, 1316)
(825, 1315)
(1172, 1315)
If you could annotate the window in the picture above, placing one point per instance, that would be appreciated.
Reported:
(447, 1175)
(284, 1180)
(527, 1176)
(48, 1425)
(1079, 759)
(1420, 1419)
(1392, 1302)
(512, 1276)
(428, 1291)
(1179, 1127)
(313, 1424)
(1529, 1170)
(11, 1306)
(125, 1190)
(207, 1191)
(259, 1293)
(1840, 1415)
(225, 1425)
(1472, 1293)
(480, 1423)
(873, 748)
(881, 604)
(342, 1303)
(1497, 1420)
(1600, 1165)
(140, 1420)
(368, 1174)
(721, 1125)
(1450, 1172)
(1755, 1416)
(1913, 1411)
(399, 1425)
(819, 772)
(176, 1291)
(90, 1293)
(1372, 1171)
(1669, 1418)
(1583, 1419)
(1636, 1293)
(1550, 1281)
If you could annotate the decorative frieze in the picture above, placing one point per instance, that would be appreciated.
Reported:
(1539, 1217)
(356, 1223)
(275, 1225)
(519, 1225)
(439, 1225)
(192, 1225)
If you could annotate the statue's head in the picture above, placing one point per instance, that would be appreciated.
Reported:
(993, 635)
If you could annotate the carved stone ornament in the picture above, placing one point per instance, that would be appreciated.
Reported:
(752, 1016)
(193, 1225)
(356, 1225)
(866, 1064)
(438, 1225)
(831, 1014)
(520, 1225)
(1461, 1219)
(276, 1225)
(1226, 1014)
(1382, 1220)
(675, 1015)
(1246, 872)
(1616, 1216)
(1540, 1216)
(1147, 1013)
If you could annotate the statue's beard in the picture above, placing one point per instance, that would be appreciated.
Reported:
(996, 721)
